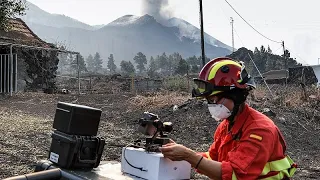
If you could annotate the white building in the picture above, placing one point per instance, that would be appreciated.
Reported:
(316, 69)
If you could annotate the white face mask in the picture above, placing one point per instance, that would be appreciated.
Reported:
(219, 112)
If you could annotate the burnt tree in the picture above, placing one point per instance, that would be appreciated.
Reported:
(41, 68)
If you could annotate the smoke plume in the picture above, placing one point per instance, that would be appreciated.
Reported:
(159, 9)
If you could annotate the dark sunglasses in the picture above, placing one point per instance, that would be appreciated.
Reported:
(205, 89)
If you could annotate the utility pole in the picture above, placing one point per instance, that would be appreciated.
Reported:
(284, 56)
(78, 71)
(232, 33)
(202, 35)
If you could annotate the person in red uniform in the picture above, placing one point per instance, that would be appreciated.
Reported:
(247, 144)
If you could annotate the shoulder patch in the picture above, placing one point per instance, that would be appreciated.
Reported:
(257, 137)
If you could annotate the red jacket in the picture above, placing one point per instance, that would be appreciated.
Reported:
(244, 151)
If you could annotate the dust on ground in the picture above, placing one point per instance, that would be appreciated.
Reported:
(26, 126)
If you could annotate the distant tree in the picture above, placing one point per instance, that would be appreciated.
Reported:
(206, 59)
(245, 55)
(182, 67)
(195, 69)
(90, 63)
(290, 62)
(63, 60)
(140, 59)
(10, 9)
(82, 64)
(97, 63)
(173, 63)
(163, 63)
(269, 50)
(293, 63)
(127, 68)
(194, 64)
(111, 65)
(286, 57)
(171, 66)
(264, 60)
(193, 60)
(270, 61)
(262, 49)
(257, 58)
(152, 68)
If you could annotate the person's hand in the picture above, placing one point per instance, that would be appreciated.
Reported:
(175, 152)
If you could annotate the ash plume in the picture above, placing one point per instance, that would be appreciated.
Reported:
(159, 9)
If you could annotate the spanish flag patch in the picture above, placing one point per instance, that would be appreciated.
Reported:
(254, 136)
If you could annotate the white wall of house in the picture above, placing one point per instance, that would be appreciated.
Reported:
(316, 69)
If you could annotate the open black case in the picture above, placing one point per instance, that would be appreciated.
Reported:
(75, 143)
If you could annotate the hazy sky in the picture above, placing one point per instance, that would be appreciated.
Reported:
(294, 21)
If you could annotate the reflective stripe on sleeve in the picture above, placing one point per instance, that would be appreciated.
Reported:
(208, 155)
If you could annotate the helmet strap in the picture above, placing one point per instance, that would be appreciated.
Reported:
(231, 118)
(238, 96)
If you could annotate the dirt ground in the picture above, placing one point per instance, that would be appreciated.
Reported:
(26, 126)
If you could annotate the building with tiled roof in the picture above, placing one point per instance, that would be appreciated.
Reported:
(21, 34)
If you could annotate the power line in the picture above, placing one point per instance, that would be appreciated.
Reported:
(251, 25)
(277, 49)
(296, 55)
(265, 82)
(239, 37)
(258, 32)
(221, 9)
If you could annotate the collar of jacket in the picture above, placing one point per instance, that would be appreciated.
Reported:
(240, 120)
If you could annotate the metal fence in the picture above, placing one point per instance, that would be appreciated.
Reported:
(114, 84)
(8, 73)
